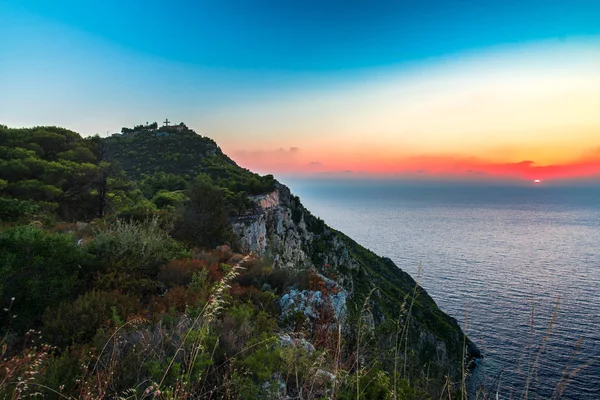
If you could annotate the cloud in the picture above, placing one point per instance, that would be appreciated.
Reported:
(279, 152)
(269, 161)
(526, 169)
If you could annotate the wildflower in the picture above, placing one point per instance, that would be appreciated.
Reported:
(12, 299)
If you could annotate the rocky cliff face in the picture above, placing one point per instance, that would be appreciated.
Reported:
(374, 288)
(271, 231)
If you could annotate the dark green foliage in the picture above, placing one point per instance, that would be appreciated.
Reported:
(78, 321)
(203, 220)
(55, 165)
(313, 224)
(151, 185)
(164, 199)
(139, 211)
(79, 155)
(82, 179)
(39, 269)
(264, 360)
(177, 154)
(234, 178)
(373, 384)
(64, 370)
(13, 210)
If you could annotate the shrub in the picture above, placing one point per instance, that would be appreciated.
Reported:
(373, 384)
(78, 321)
(140, 211)
(16, 210)
(138, 248)
(38, 269)
(179, 272)
(263, 360)
(164, 199)
(64, 370)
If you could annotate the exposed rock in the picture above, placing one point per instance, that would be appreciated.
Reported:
(270, 231)
(286, 340)
(311, 303)
(325, 374)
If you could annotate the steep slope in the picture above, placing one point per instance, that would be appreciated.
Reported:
(378, 296)
(281, 229)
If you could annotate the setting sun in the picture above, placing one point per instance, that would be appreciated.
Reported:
(537, 181)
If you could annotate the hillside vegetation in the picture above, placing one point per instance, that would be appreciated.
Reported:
(123, 275)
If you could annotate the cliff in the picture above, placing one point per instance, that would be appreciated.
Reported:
(282, 230)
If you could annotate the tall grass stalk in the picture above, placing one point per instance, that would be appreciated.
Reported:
(463, 388)
(407, 322)
(397, 347)
(535, 366)
(360, 326)
(203, 320)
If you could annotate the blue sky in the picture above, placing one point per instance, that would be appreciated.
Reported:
(306, 35)
(372, 82)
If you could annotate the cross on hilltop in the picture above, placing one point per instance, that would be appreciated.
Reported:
(167, 122)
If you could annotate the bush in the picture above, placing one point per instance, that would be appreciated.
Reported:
(137, 248)
(16, 210)
(374, 385)
(64, 371)
(38, 269)
(140, 211)
(166, 199)
(180, 272)
(78, 321)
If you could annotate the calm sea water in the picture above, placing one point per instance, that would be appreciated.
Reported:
(502, 260)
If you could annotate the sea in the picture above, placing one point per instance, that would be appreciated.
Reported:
(517, 265)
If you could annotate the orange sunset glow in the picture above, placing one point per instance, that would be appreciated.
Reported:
(524, 113)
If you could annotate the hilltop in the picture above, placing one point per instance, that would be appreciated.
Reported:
(155, 232)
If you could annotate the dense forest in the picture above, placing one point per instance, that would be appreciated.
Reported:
(121, 277)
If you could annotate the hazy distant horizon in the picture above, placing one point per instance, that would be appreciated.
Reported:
(434, 182)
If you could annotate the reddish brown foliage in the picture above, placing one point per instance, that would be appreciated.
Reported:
(179, 272)
(178, 299)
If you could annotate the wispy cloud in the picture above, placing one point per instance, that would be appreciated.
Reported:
(267, 161)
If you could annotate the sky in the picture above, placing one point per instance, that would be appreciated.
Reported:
(461, 90)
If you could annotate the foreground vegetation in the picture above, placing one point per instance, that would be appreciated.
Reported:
(135, 314)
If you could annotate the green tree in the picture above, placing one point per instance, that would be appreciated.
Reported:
(203, 220)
